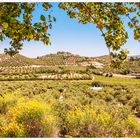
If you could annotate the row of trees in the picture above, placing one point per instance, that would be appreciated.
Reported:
(108, 18)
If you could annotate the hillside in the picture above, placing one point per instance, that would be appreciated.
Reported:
(132, 65)
(17, 60)
(66, 58)
(61, 58)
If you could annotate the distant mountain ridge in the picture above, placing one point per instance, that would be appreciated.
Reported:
(60, 58)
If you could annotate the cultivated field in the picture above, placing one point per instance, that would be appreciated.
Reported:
(48, 97)
(70, 108)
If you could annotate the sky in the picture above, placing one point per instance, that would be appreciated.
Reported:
(69, 35)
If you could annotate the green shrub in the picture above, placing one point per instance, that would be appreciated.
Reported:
(11, 130)
(91, 121)
(6, 101)
(87, 122)
(135, 106)
(29, 118)
(97, 84)
(36, 119)
(133, 127)
(126, 71)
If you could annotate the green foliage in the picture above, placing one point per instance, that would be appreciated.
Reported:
(93, 122)
(19, 31)
(97, 84)
(86, 122)
(108, 19)
(6, 101)
(106, 16)
(35, 109)
(10, 51)
(28, 118)
(119, 58)
(12, 130)
(61, 63)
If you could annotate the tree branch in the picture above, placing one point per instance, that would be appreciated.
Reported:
(103, 34)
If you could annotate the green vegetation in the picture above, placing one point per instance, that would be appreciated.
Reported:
(66, 95)
(66, 62)
(16, 60)
(55, 108)
(26, 117)
(23, 29)
(107, 18)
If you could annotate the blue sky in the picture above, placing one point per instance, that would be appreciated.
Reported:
(69, 35)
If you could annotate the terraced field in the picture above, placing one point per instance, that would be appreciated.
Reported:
(43, 73)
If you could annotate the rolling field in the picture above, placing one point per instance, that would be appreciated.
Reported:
(70, 108)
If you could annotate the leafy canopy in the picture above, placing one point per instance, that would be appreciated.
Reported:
(21, 30)
(108, 18)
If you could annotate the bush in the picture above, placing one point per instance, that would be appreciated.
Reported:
(30, 118)
(98, 122)
(6, 101)
(11, 130)
(135, 105)
(97, 84)
(133, 128)
(108, 74)
(87, 122)
(35, 117)
(125, 71)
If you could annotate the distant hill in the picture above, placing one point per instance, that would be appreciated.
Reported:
(16, 60)
(66, 58)
(60, 58)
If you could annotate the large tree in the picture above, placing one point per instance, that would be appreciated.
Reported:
(16, 23)
(109, 19)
